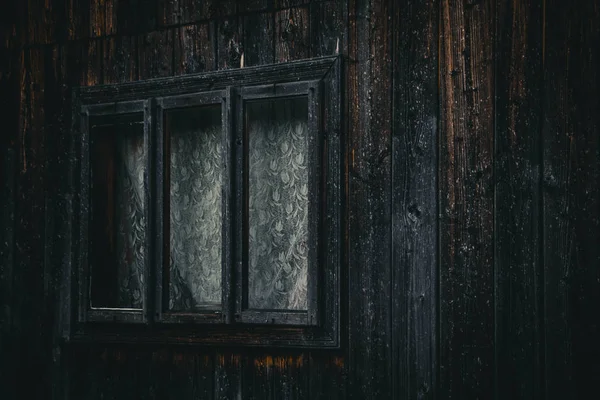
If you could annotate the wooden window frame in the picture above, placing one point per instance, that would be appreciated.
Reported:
(87, 313)
(179, 102)
(235, 325)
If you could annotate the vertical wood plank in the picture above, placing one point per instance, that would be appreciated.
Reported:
(93, 58)
(369, 146)
(194, 49)
(258, 39)
(292, 34)
(290, 3)
(190, 376)
(78, 18)
(328, 377)
(7, 255)
(29, 234)
(518, 215)
(467, 199)
(133, 17)
(98, 18)
(248, 6)
(169, 12)
(328, 28)
(228, 376)
(571, 197)
(41, 24)
(155, 54)
(257, 381)
(230, 46)
(120, 61)
(414, 200)
(290, 376)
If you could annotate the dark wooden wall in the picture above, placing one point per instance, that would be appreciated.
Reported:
(473, 174)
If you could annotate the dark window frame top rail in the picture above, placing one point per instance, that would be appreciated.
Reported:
(234, 323)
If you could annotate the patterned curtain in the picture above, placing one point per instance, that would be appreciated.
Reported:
(131, 218)
(117, 246)
(278, 204)
(195, 208)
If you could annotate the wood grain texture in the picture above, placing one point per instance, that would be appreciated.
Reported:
(120, 62)
(230, 43)
(518, 243)
(414, 205)
(328, 377)
(369, 146)
(292, 34)
(328, 33)
(467, 199)
(257, 378)
(258, 39)
(155, 54)
(28, 311)
(291, 376)
(228, 376)
(78, 18)
(516, 125)
(194, 49)
(7, 255)
(571, 197)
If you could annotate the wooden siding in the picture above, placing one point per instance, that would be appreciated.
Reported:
(472, 139)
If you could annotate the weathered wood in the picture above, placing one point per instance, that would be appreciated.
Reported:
(230, 46)
(248, 6)
(258, 39)
(518, 335)
(42, 24)
(28, 311)
(119, 59)
(7, 254)
(467, 199)
(290, 376)
(155, 54)
(493, 337)
(78, 18)
(571, 198)
(328, 28)
(414, 200)
(369, 228)
(194, 49)
(101, 17)
(292, 34)
(93, 58)
(290, 3)
(257, 378)
(328, 375)
(228, 376)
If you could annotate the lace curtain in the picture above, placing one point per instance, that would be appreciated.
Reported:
(196, 175)
(278, 204)
(278, 190)
(118, 209)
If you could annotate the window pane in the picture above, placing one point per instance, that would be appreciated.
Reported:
(278, 206)
(118, 223)
(196, 178)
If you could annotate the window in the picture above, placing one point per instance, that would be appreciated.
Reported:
(210, 208)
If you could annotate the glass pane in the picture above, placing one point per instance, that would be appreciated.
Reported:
(196, 178)
(118, 224)
(278, 206)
